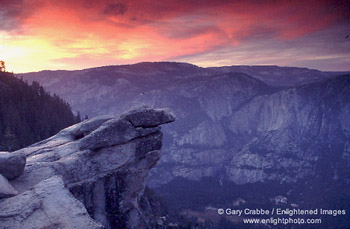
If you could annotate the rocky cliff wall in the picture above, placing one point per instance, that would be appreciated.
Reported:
(285, 136)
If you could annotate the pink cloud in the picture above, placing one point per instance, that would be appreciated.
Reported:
(144, 30)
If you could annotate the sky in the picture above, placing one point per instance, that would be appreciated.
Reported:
(76, 34)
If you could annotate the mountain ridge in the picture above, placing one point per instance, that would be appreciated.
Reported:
(221, 69)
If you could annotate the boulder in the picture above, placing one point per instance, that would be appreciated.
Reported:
(6, 189)
(12, 164)
(147, 117)
(112, 132)
(87, 126)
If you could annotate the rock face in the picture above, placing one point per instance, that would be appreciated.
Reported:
(11, 167)
(47, 204)
(12, 164)
(148, 118)
(102, 162)
(6, 190)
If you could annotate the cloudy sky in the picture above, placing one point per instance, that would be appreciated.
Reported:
(75, 34)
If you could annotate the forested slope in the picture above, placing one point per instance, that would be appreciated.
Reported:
(28, 113)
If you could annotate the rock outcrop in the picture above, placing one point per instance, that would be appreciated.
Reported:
(48, 204)
(12, 164)
(11, 167)
(90, 175)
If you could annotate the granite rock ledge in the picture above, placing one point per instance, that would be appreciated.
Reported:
(90, 175)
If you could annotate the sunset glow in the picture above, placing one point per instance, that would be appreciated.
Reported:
(43, 34)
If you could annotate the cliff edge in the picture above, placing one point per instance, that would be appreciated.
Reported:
(90, 175)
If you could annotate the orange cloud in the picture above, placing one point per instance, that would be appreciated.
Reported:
(43, 34)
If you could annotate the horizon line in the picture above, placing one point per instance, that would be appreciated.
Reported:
(179, 62)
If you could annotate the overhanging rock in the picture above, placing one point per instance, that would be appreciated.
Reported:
(103, 162)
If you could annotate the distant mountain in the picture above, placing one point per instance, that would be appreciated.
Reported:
(280, 76)
(119, 83)
(283, 130)
(28, 113)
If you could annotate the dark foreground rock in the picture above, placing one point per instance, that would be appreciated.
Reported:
(12, 164)
(102, 162)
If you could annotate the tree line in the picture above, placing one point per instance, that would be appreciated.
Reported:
(29, 114)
